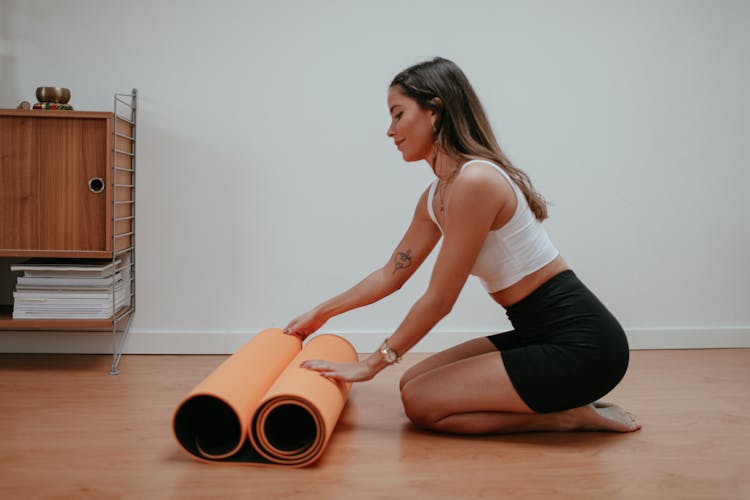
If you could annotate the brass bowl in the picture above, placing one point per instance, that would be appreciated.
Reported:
(53, 94)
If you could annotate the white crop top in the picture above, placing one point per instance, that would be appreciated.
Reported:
(515, 250)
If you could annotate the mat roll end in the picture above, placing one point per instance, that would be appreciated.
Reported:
(207, 427)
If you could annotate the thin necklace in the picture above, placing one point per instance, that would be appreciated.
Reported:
(443, 186)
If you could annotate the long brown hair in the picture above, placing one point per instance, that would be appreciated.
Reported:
(462, 128)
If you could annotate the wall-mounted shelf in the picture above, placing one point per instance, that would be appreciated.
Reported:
(67, 186)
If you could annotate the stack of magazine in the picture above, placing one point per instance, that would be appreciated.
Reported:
(71, 288)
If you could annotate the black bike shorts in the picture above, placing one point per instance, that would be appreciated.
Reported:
(567, 350)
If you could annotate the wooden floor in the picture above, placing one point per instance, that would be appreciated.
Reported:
(69, 430)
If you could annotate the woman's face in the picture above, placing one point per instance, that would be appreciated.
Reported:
(411, 126)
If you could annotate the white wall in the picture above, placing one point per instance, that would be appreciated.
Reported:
(266, 182)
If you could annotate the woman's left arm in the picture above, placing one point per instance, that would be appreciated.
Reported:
(475, 202)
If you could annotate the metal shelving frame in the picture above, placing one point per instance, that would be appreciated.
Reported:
(124, 111)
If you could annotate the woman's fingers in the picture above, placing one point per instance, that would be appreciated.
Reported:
(302, 326)
(317, 365)
(294, 328)
(347, 372)
(325, 368)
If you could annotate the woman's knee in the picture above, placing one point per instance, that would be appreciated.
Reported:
(416, 370)
(417, 406)
(465, 350)
(408, 375)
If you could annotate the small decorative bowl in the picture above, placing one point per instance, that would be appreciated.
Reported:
(53, 94)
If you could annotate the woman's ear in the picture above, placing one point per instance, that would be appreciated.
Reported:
(436, 111)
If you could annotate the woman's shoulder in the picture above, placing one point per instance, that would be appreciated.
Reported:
(480, 177)
(481, 170)
(479, 165)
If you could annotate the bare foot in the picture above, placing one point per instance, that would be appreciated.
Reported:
(604, 417)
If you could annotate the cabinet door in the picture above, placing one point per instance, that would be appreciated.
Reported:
(46, 165)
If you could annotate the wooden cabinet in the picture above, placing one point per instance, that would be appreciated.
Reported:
(54, 173)
(67, 190)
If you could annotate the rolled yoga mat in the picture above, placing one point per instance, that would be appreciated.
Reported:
(259, 407)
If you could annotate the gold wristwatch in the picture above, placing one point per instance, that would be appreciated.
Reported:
(389, 355)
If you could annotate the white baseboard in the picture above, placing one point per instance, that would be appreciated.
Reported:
(207, 342)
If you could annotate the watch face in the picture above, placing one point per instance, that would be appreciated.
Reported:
(388, 355)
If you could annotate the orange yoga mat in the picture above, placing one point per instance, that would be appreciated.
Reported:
(260, 407)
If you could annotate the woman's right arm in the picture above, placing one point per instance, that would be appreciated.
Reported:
(417, 243)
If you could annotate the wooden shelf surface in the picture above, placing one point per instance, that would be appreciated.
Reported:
(56, 113)
(74, 254)
(8, 323)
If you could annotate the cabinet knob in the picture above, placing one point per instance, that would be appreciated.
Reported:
(96, 185)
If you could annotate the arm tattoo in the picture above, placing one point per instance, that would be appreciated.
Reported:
(402, 260)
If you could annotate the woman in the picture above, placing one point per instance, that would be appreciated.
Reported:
(566, 351)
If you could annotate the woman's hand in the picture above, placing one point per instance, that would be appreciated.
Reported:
(305, 325)
(345, 372)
